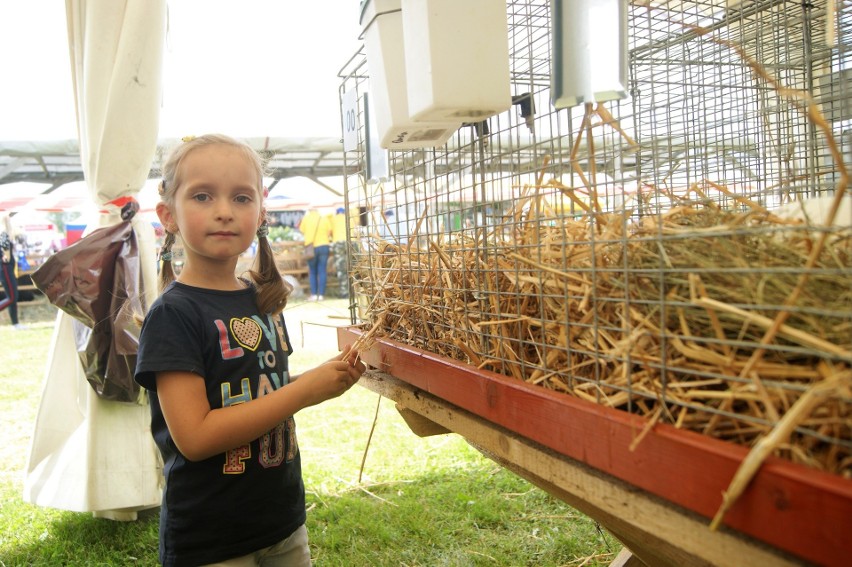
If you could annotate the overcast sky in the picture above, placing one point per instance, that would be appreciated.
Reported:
(245, 68)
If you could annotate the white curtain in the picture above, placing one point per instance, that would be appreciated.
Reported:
(87, 454)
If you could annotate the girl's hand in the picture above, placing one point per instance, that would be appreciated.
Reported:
(332, 378)
(352, 357)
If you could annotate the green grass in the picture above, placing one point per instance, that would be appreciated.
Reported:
(434, 501)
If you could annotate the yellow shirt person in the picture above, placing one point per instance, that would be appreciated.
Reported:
(317, 231)
(316, 228)
(338, 226)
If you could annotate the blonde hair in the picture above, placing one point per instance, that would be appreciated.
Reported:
(272, 290)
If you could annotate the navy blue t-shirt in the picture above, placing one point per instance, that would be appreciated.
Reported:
(250, 497)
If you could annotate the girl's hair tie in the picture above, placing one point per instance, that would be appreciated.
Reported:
(166, 256)
(263, 231)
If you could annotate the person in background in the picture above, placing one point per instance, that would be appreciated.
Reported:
(7, 271)
(317, 231)
(213, 356)
(338, 239)
(23, 262)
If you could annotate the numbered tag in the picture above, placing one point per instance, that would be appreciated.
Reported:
(350, 120)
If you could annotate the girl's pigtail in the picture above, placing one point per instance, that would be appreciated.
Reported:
(272, 290)
(167, 272)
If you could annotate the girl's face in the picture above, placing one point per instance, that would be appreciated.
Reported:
(217, 207)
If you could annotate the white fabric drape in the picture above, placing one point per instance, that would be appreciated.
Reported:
(87, 454)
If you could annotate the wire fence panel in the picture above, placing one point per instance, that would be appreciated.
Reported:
(683, 253)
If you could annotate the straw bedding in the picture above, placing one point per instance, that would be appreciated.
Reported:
(705, 318)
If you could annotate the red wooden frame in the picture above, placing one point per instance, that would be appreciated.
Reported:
(798, 510)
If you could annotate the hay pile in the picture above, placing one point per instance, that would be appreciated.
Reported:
(684, 317)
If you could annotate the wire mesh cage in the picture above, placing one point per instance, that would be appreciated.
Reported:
(683, 253)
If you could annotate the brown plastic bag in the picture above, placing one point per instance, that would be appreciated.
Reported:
(97, 282)
(308, 251)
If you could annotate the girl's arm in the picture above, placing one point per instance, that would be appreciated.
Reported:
(200, 432)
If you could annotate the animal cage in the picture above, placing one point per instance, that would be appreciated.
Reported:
(682, 254)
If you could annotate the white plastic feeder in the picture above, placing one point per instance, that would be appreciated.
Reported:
(381, 24)
(589, 62)
(456, 59)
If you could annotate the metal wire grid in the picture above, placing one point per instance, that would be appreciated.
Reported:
(696, 112)
(721, 120)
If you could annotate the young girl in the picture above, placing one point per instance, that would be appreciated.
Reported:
(213, 354)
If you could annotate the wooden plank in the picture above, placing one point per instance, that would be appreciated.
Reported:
(793, 508)
(626, 559)
(657, 532)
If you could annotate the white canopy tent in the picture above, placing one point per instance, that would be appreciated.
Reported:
(44, 175)
(89, 454)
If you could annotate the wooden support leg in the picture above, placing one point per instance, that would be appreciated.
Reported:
(625, 558)
(419, 425)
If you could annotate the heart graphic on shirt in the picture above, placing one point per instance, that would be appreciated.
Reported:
(247, 332)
